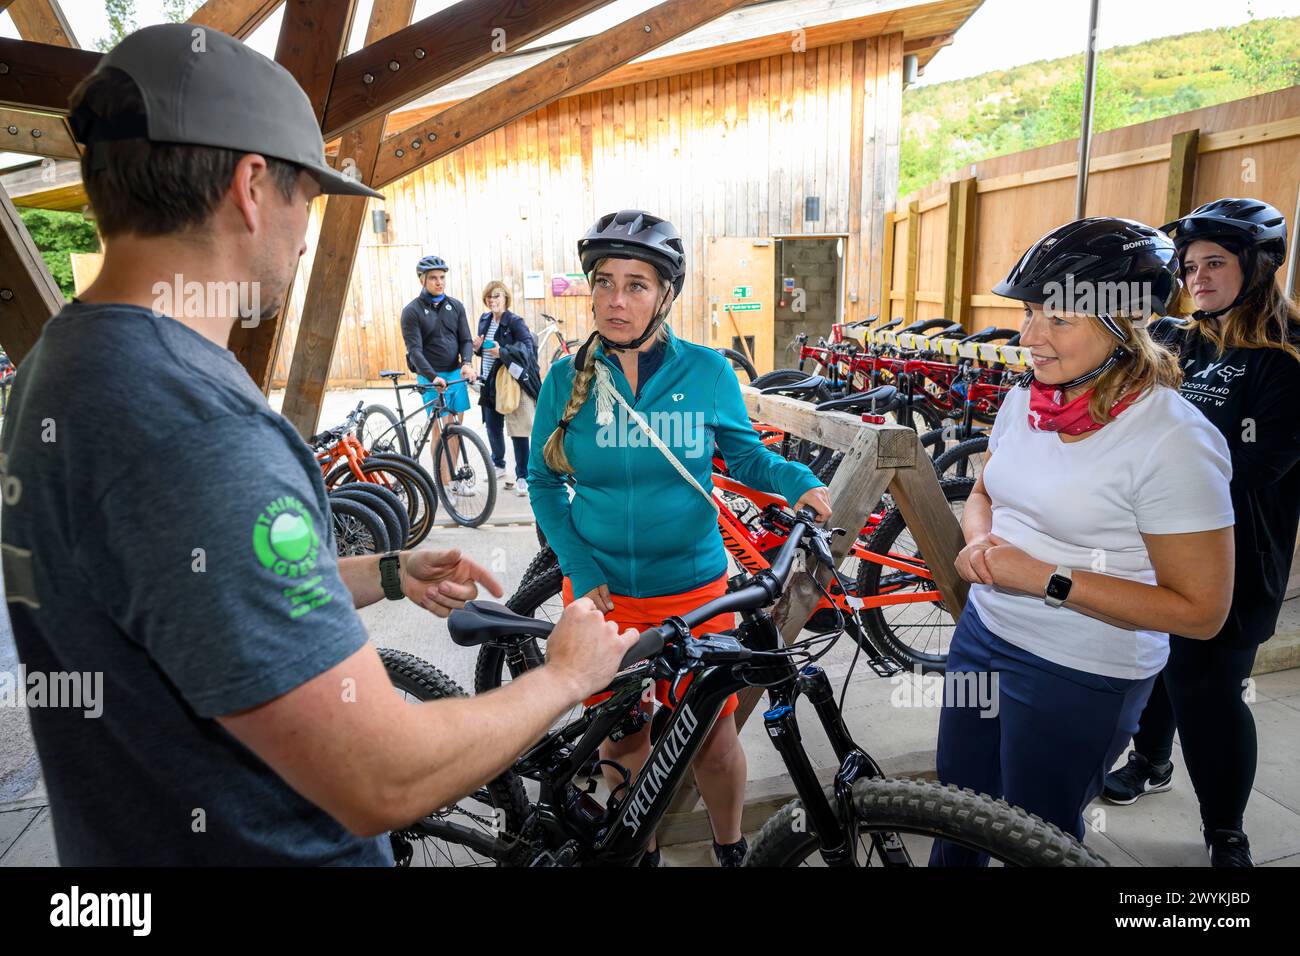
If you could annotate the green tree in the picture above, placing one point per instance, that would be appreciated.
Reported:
(178, 11)
(1267, 65)
(121, 21)
(1062, 115)
(56, 234)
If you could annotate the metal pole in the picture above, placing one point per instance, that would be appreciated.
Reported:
(1085, 132)
(1293, 256)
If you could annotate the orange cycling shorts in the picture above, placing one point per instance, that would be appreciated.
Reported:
(641, 614)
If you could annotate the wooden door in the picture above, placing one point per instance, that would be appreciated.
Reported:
(742, 286)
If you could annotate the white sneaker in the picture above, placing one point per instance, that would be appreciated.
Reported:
(521, 487)
(463, 488)
(501, 475)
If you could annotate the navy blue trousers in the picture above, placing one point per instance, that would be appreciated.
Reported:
(1047, 744)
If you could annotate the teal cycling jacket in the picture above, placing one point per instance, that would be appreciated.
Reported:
(634, 522)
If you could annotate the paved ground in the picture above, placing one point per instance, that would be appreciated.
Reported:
(1159, 830)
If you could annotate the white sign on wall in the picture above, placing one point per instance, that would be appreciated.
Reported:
(534, 285)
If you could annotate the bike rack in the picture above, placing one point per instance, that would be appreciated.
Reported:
(877, 458)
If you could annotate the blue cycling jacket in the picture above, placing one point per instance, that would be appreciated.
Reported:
(634, 522)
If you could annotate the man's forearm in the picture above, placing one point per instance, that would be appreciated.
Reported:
(454, 746)
(360, 575)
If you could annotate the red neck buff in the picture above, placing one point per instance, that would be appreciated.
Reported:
(1049, 412)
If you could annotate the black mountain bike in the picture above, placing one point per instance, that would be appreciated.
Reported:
(463, 476)
(863, 819)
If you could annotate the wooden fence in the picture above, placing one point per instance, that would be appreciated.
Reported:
(950, 243)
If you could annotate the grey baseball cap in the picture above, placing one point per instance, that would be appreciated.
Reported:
(205, 88)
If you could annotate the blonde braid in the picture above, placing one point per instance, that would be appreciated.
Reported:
(553, 451)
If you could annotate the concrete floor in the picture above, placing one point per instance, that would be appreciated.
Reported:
(1159, 830)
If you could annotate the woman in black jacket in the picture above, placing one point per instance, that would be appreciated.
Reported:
(514, 349)
(1241, 368)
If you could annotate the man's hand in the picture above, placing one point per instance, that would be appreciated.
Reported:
(439, 383)
(467, 370)
(599, 596)
(587, 649)
(819, 500)
(1013, 570)
(441, 581)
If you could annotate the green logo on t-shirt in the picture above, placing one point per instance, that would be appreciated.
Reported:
(284, 538)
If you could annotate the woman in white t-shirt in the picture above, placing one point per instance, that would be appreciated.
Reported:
(1102, 521)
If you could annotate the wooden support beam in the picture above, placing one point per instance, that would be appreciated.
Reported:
(887, 266)
(313, 35)
(313, 38)
(959, 267)
(405, 152)
(438, 49)
(920, 44)
(1182, 173)
(239, 18)
(41, 134)
(913, 251)
(336, 252)
(41, 76)
(28, 293)
(42, 21)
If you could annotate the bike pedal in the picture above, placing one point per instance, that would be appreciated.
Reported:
(885, 666)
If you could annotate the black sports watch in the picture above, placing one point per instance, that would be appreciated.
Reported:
(1058, 587)
(390, 575)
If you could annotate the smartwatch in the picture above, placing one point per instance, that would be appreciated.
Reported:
(390, 575)
(1058, 587)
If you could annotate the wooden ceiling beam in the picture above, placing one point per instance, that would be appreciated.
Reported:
(41, 76)
(313, 37)
(239, 18)
(418, 145)
(28, 293)
(436, 50)
(40, 134)
(42, 21)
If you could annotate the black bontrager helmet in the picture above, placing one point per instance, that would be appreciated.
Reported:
(1251, 222)
(1088, 252)
(634, 234)
(429, 264)
(1251, 228)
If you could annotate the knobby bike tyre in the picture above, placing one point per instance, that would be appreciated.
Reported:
(1009, 834)
(475, 830)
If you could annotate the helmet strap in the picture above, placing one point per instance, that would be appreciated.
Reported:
(1114, 358)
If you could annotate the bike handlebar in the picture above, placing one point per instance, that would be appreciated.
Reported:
(766, 588)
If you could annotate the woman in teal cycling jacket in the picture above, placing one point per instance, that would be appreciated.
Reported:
(638, 533)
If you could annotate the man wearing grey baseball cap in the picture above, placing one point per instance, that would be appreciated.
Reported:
(171, 541)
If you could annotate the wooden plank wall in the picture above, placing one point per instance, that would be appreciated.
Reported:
(1248, 147)
(730, 151)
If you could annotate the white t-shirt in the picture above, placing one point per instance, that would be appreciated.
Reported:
(1159, 468)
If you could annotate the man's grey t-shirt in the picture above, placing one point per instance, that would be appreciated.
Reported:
(180, 546)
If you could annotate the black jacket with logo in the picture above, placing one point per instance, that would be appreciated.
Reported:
(436, 335)
(1253, 397)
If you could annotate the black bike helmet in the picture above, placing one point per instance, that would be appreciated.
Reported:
(429, 264)
(633, 234)
(1250, 222)
(1095, 250)
(1087, 252)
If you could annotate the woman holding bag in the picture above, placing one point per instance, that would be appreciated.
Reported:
(507, 348)
(640, 535)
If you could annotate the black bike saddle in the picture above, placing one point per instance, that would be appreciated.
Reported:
(391, 374)
(989, 334)
(479, 622)
(876, 400)
(805, 386)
